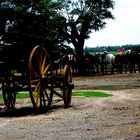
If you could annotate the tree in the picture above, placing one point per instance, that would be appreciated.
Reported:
(32, 21)
(84, 16)
(56, 21)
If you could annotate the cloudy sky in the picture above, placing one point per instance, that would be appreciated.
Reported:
(125, 29)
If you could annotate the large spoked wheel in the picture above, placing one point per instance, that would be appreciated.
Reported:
(40, 79)
(67, 91)
(9, 92)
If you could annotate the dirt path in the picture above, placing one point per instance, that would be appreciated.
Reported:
(110, 118)
(121, 81)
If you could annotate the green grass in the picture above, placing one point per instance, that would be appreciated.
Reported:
(91, 94)
(1, 97)
(105, 87)
(19, 96)
(111, 87)
(112, 52)
(23, 95)
(81, 93)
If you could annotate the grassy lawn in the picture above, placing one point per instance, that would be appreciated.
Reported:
(19, 96)
(112, 87)
(80, 93)
(91, 94)
(105, 87)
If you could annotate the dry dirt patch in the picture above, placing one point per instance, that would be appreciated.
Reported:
(111, 118)
(121, 81)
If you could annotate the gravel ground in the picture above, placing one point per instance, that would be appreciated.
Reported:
(110, 118)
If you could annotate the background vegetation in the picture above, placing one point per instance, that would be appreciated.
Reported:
(54, 22)
(111, 49)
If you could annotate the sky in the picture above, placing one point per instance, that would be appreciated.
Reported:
(124, 30)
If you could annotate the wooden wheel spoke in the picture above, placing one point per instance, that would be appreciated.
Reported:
(35, 72)
(50, 77)
(12, 101)
(40, 72)
(13, 97)
(40, 59)
(68, 89)
(48, 98)
(44, 99)
(36, 98)
(36, 93)
(37, 87)
(37, 55)
(46, 69)
(35, 81)
(43, 64)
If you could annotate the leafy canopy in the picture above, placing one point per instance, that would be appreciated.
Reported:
(87, 15)
(33, 18)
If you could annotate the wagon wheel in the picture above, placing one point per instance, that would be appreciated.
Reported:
(9, 91)
(40, 79)
(67, 91)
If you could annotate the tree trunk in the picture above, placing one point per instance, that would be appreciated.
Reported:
(80, 60)
(78, 41)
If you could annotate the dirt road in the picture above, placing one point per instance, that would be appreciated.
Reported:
(110, 118)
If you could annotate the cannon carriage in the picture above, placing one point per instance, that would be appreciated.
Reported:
(34, 69)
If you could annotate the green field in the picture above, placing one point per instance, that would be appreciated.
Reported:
(91, 94)
(78, 93)
(112, 52)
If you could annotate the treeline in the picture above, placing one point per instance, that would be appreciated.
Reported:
(110, 48)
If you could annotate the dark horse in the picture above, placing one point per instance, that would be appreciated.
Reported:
(128, 62)
(121, 61)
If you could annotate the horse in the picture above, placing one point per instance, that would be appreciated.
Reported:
(105, 60)
(121, 61)
(127, 61)
(89, 63)
(70, 59)
(134, 60)
(137, 51)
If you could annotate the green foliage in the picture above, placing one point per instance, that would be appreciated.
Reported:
(55, 22)
(38, 21)
(110, 49)
(19, 9)
(83, 17)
